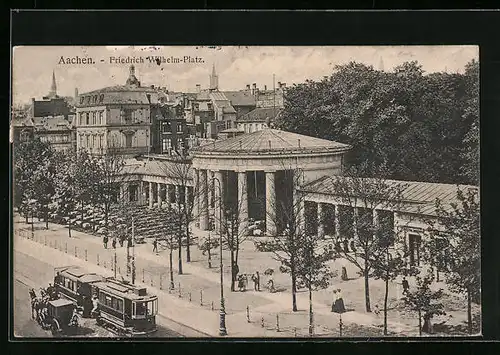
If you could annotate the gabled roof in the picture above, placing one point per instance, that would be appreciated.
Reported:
(261, 114)
(240, 98)
(271, 141)
(419, 197)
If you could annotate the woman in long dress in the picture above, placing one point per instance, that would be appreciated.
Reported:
(334, 303)
(340, 302)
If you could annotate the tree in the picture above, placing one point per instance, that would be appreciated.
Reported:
(470, 151)
(362, 196)
(388, 261)
(287, 215)
(234, 234)
(65, 190)
(312, 269)
(108, 173)
(425, 302)
(414, 125)
(28, 157)
(170, 235)
(458, 224)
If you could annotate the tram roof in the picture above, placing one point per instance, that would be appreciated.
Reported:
(122, 290)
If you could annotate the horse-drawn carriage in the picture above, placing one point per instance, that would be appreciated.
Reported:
(61, 317)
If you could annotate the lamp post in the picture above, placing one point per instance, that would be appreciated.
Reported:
(133, 251)
(222, 313)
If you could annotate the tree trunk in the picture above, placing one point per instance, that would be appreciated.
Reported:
(367, 289)
(294, 288)
(171, 267)
(69, 228)
(233, 276)
(46, 218)
(179, 242)
(188, 241)
(469, 311)
(386, 296)
(81, 216)
(419, 323)
(311, 317)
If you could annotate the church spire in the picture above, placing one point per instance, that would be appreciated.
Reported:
(132, 79)
(53, 87)
(214, 79)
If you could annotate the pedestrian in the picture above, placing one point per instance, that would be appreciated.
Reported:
(376, 310)
(340, 302)
(105, 241)
(346, 245)
(270, 283)
(256, 281)
(334, 302)
(406, 286)
(121, 241)
(129, 242)
(113, 243)
(95, 304)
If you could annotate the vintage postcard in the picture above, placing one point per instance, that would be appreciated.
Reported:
(320, 191)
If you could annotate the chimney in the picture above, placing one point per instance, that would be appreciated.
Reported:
(198, 88)
(279, 84)
(254, 86)
(76, 93)
(248, 87)
(265, 87)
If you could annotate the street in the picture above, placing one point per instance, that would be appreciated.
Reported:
(30, 272)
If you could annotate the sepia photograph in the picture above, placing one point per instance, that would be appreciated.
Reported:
(245, 192)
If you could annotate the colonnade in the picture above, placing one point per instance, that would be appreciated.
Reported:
(163, 194)
(212, 180)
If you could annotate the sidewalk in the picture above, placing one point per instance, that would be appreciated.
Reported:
(262, 304)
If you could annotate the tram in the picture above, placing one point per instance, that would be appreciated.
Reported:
(123, 308)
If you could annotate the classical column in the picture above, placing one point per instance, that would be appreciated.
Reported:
(159, 195)
(243, 200)
(177, 195)
(150, 194)
(336, 221)
(321, 224)
(196, 193)
(218, 200)
(203, 199)
(168, 192)
(270, 203)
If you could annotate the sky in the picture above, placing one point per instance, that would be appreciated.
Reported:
(236, 67)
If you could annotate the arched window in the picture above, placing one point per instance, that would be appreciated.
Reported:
(87, 118)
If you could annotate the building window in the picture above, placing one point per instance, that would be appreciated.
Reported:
(101, 114)
(81, 100)
(101, 98)
(128, 140)
(166, 144)
(80, 118)
(414, 241)
(179, 127)
(166, 127)
(87, 118)
(127, 115)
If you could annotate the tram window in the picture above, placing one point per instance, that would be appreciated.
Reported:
(119, 305)
(151, 307)
(140, 309)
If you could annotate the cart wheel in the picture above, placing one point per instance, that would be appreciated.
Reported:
(55, 327)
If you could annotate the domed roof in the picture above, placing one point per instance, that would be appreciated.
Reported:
(270, 141)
